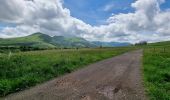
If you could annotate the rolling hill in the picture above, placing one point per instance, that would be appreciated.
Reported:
(35, 40)
(163, 43)
(41, 40)
(61, 41)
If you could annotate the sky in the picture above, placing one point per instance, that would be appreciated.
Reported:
(99, 11)
(95, 20)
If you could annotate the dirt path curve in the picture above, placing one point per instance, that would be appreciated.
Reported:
(117, 78)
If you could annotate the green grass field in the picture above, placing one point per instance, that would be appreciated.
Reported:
(156, 69)
(22, 70)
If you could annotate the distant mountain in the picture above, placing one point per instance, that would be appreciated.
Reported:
(61, 41)
(35, 40)
(45, 41)
(111, 44)
(41, 40)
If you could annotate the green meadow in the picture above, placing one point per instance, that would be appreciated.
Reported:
(156, 68)
(22, 70)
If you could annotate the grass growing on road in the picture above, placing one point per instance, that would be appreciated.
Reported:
(25, 69)
(157, 72)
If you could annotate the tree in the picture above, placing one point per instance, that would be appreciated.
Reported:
(142, 43)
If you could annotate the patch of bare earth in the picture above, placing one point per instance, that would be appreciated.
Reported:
(117, 78)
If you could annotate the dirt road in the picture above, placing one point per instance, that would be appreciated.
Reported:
(117, 78)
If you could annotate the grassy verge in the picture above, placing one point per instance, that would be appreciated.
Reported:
(157, 72)
(22, 70)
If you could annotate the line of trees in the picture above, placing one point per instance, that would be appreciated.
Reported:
(4, 49)
(141, 43)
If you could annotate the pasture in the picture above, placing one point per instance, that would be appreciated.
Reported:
(22, 70)
(156, 70)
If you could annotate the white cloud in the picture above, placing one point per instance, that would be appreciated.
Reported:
(147, 18)
(108, 7)
(148, 22)
(12, 10)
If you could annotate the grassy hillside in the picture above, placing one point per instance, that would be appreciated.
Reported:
(44, 41)
(35, 40)
(156, 70)
(71, 42)
(25, 69)
(165, 43)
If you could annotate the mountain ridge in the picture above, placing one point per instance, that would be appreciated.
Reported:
(45, 41)
(42, 40)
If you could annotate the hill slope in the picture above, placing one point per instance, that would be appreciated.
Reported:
(41, 40)
(164, 43)
(44, 41)
(35, 40)
(61, 41)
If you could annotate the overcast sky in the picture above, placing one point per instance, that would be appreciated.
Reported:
(104, 20)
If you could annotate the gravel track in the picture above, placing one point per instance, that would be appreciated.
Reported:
(117, 78)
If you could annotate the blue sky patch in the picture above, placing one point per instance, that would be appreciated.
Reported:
(3, 25)
(165, 5)
(95, 12)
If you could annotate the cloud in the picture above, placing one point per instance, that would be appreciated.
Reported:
(12, 10)
(148, 22)
(108, 7)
